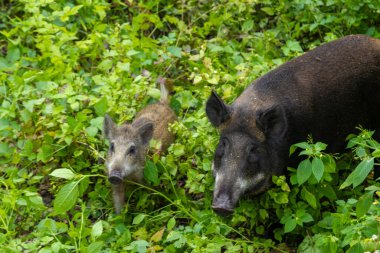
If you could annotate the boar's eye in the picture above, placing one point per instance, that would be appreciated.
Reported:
(112, 147)
(221, 147)
(131, 150)
(253, 154)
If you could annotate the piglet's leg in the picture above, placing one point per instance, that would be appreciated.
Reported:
(118, 193)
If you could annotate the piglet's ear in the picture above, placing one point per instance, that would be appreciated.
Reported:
(108, 127)
(217, 111)
(146, 132)
(272, 122)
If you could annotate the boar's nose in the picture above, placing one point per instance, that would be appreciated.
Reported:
(115, 177)
(223, 205)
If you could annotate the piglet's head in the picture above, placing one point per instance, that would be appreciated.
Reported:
(127, 150)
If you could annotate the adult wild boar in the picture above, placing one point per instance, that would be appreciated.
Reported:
(326, 92)
(129, 144)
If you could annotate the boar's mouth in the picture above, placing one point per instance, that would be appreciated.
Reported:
(115, 177)
(223, 205)
(221, 211)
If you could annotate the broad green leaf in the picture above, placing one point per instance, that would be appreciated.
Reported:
(363, 204)
(294, 46)
(45, 153)
(305, 218)
(303, 145)
(247, 26)
(13, 54)
(63, 173)
(139, 246)
(268, 10)
(329, 163)
(318, 168)
(154, 93)
(359, 174)
(319, 146)
(178, 149)
(151, 172)
(304, 171)
(263, 214)
(101, 106)
(357, 248)
(309, 197)
(138, 219)
(97, 230)
(95, 247)
(171, 223)
(176, 51)
(92, 131)
(290, 225)
(106, 65)
(66, 197)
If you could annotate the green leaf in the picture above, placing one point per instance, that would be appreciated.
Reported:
(95, 247)
(63, 173)
(101, 106)
(66, 197)
(363, 204)
(154, 93)
(359, 174)
(309, 197)
(92, 131)
(97, 230)
(318, 168)
(294, 46)
(171, 223)
(139, 246)
(268, 10)
(247, 26)
(13, 54)
(176, 51)
(45, 153)
(178, 149)
(304, 171)
(290, 225)
(138, 219)
(319, 146)
(151, 173)
(357, 248)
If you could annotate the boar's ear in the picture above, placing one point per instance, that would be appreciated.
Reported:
(146, 132)
(217, 111)
(108, 127)
(272, 122)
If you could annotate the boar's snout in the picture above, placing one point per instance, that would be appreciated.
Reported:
(115, 177)
(223, 205)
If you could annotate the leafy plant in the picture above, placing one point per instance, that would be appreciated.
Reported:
(64, 64)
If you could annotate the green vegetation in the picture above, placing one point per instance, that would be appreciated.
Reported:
(63, 64)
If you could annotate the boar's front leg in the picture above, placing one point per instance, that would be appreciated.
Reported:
(118, 194)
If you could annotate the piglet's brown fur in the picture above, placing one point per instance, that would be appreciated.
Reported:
(129, 144)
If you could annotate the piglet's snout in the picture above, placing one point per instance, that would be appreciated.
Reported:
(115, 177)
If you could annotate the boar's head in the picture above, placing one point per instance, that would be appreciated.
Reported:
(251, 149)
(127, 150)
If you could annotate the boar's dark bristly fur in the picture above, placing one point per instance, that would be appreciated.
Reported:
(129, 144)
(326, 92)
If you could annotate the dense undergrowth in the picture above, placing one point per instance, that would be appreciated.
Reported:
(63, 64)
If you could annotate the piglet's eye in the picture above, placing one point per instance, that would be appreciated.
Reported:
(132, 150)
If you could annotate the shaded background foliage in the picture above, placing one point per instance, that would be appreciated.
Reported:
(63, 64)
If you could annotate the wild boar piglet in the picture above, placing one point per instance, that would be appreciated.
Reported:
(129, 144)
